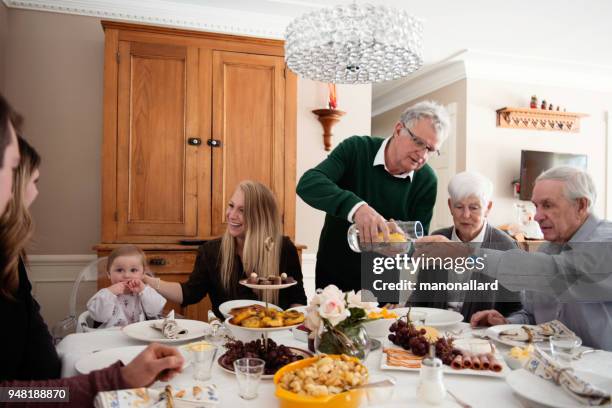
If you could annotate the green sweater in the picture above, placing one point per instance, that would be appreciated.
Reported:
(347, 177)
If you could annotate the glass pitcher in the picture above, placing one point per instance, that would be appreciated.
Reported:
(401, 236)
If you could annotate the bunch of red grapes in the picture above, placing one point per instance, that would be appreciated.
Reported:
(405, 335)
(274, 355)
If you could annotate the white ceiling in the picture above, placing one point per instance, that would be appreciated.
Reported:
(555, 30)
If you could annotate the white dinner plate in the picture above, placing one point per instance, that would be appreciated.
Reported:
(225, 307)
(104, 358)
(144, 331)
(434, 317)
(255, 286)
(493, 333)
(227, 367)
(545, 393)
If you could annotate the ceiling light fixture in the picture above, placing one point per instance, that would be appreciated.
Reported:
(354, 44)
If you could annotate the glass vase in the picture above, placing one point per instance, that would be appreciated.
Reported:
(352, 341)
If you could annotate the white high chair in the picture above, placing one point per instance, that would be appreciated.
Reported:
(79, 321)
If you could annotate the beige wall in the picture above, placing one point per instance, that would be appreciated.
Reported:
(356, 101)
(3, 41)
(54, 78)
(496, 152)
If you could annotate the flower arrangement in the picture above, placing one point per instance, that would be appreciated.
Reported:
(336, 320)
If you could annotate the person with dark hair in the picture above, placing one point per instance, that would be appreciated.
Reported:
(30, 359)
(33, 357)
(9, 151)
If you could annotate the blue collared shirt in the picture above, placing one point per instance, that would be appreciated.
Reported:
(570, 282)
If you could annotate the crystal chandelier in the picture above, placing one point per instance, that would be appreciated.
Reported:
(354, 44)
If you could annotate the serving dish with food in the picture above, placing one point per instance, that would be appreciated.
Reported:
(258, 317)
(464, 356)
(268, 282)
(275, 356)
(321, 381)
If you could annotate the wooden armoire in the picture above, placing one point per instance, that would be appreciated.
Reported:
(188, 115)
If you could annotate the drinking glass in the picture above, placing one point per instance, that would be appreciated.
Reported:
(380, 395)
(248, 372)
(562, 347)
(218, 332)
(418, 318)
(202, 357)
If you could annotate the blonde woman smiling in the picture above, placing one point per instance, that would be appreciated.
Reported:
(252, 218)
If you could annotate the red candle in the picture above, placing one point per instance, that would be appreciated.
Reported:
(333, 102)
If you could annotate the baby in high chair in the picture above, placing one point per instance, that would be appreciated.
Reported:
(128, 299)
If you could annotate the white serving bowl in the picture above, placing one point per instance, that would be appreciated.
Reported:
(513, 362)
(225, 307)
(241, 333)
(379, 328)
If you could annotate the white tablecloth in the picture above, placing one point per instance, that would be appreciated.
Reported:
(476, 391)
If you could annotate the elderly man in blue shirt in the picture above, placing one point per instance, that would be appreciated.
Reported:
(570, 277)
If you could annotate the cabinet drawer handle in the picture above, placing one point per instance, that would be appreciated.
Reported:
(158, 261)
(213, 142)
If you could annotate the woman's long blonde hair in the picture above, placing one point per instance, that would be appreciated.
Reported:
(262, 224)
(17, 223)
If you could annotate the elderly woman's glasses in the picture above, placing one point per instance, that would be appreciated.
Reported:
(420, 143)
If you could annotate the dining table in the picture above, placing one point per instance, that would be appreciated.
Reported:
(477, 391)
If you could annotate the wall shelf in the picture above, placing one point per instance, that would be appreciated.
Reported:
(539, 119)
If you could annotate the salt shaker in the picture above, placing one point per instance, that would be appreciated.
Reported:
(431, 387)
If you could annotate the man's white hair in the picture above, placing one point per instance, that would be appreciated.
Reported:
(470, 183)
(578, 183)
(428, 109)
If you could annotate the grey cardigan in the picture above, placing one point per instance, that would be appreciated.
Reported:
(493, 239)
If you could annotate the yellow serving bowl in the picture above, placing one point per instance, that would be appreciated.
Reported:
(288, 399)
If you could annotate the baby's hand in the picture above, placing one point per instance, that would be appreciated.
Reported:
(119, 288)
(136, 285)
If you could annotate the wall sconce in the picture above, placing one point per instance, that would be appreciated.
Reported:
(328, 118)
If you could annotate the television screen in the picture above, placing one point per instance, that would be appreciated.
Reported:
(533, 163)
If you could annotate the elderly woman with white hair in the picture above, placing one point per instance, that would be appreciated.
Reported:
(469, 204)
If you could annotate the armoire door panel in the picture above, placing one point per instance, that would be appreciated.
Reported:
(248, 119)
(157, 181)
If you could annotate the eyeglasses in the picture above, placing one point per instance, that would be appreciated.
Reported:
(420, 143)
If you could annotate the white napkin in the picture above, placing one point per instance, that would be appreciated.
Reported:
(544, 366)
(532, 334)
(206, 395)
(169, 327)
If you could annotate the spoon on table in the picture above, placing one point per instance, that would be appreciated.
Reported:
(384, 383)
(582, 353)
(458, 401)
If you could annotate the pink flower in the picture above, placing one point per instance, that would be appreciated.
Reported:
(334, 310)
